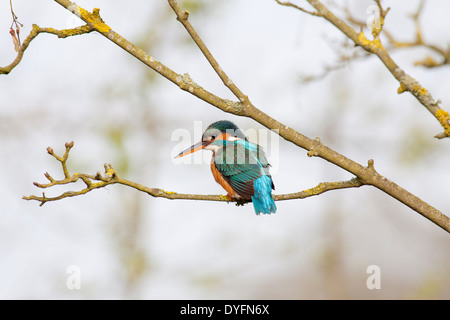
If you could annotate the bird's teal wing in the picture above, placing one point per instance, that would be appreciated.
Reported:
(241, 163)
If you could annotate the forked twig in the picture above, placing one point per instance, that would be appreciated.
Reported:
(375, 46)
(110, 176)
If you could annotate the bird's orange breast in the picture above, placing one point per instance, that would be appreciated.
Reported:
(220, 180)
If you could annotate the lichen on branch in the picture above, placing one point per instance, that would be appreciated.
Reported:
(35, 31)
(375, 46)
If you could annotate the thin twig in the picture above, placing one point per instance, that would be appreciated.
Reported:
(35, 31)
(293, 5)
(183, 16)
(15, 33)
(427, 62)
(375, 46)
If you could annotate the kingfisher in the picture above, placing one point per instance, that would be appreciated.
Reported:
(239, 166)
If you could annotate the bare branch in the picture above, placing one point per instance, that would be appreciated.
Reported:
(365, 174)
(375, 46)
(427, 62)
(110, 176)
(34, 33)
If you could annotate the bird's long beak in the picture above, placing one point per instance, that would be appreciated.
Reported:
(198, 146)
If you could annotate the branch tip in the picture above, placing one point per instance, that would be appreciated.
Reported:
(441, 135)
(290, 4)
(184, 16)
(370, 165)
(69, 145)
(49, 177)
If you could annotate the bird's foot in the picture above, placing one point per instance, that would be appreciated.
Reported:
(241, 202)
(238, 201)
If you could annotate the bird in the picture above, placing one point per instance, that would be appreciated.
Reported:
(239, 166)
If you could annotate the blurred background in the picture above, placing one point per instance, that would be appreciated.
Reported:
(125, 244)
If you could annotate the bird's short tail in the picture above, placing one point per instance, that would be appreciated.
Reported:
(262, 199)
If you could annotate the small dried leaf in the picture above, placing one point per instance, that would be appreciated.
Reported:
(15, 40)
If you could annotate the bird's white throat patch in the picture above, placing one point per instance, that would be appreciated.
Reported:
(214, 148)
